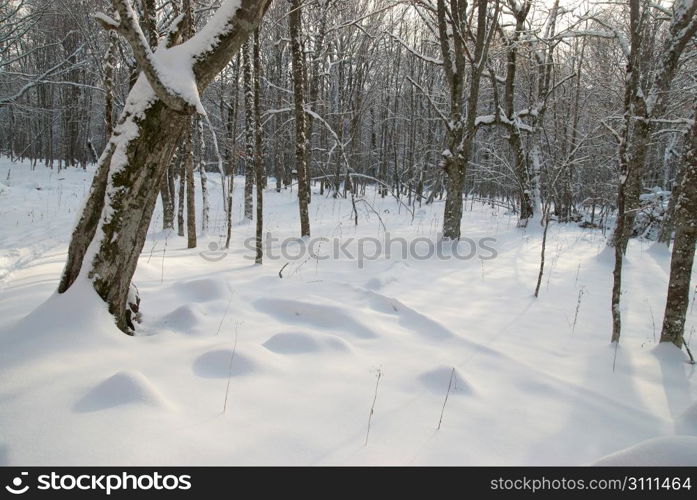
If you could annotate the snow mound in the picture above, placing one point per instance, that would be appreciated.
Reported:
(438, 380)
(123, 388)
(185, 319)
(223, 363)
(303, 343)
(203, 290)
(320, 316)
(660, 452)
(63, 323)
(686, 423)
(408, 317)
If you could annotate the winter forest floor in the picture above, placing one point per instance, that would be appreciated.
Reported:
(298, 358)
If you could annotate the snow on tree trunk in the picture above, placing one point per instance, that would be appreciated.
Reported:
(111, 231)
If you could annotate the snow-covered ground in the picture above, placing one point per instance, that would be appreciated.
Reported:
(295, 360)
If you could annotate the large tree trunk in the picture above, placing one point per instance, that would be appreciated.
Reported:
(681, 263)
(115, 219)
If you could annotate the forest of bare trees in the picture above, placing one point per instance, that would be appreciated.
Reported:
(577, 112)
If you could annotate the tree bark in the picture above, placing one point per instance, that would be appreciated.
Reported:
(683, 257)
(188, 167)
(295, 24)
(258, 151)
(452, 23)
(249, 130)
(126, 186)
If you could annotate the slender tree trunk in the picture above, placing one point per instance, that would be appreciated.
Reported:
(167, 202)
(249, 131)
(258, 158)
(621, 232)
(205, 205)
(188, 167)
(231, 146)
(295, 23)
(181, 199)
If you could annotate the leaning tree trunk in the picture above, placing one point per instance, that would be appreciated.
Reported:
(118, 211)
(684, 246)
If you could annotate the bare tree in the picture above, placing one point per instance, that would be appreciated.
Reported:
(258, 150)
(640, 109)
(150, 126)
(295, 25)
(683, 257)
(453, 31)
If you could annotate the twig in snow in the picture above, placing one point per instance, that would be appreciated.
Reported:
(280, 273)
(229, 370)
(577, 273)
(227, 308)
(653, 322)
(450, 384)
(372, 408)
(545, 219)
(687, 346)
(164, 252)
(578, 307)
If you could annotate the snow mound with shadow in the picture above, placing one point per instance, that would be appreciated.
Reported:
(123, 388)
(686, 423)
(185, 319)
(438, 380)
(303, 343)
(317, 315)
(223, 363)
(668, 451)
(203, 290)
